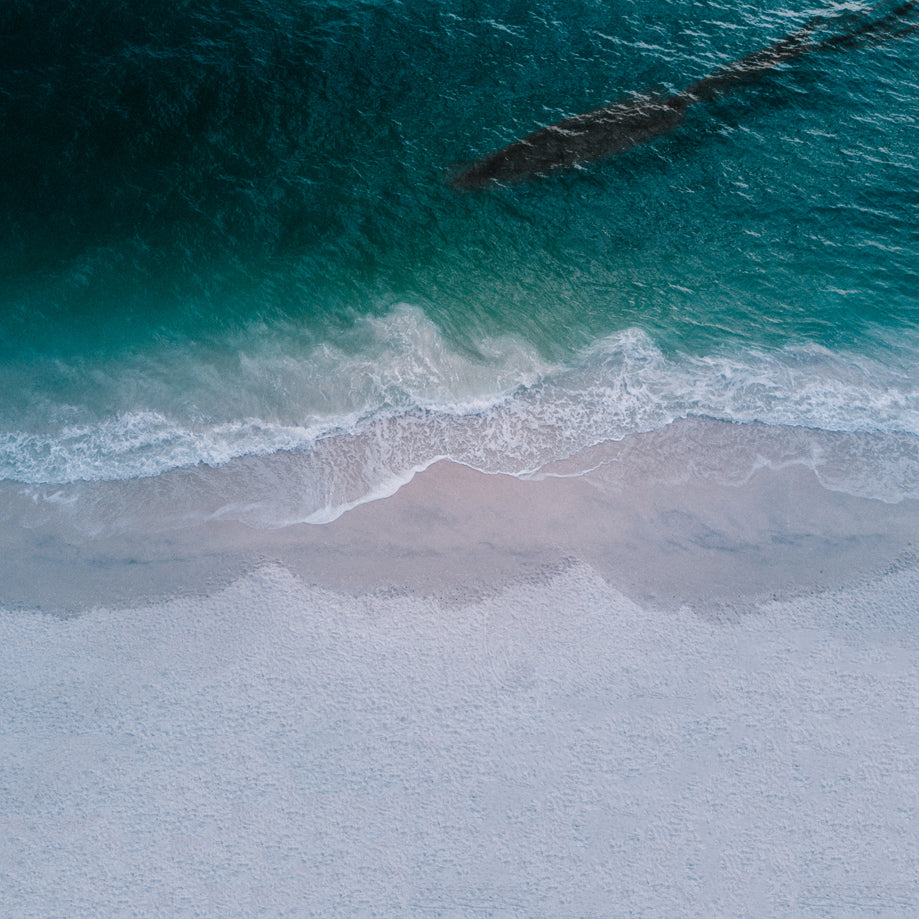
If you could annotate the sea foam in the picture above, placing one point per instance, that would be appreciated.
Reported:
(342, 423)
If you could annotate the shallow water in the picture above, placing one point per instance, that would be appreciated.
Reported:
(229, 235)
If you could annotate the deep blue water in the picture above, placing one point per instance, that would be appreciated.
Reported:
(227, 232)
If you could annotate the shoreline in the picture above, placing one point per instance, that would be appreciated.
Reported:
(649, 516)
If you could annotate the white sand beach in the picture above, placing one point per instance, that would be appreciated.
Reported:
(628, 692)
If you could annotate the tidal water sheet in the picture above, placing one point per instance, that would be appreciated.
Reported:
(618, 127)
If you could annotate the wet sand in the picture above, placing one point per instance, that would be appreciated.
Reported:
(648, 515)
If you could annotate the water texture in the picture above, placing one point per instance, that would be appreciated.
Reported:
(227, 232)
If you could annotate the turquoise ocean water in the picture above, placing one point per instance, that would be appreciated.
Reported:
(232, 267)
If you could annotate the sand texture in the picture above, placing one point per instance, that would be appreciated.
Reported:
(618, 694)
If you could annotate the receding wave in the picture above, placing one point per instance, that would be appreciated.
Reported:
(305, 431)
